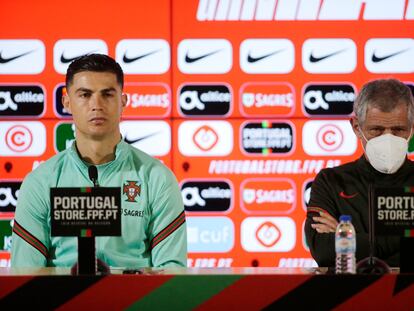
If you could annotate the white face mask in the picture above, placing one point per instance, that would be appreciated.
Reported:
(387, 152)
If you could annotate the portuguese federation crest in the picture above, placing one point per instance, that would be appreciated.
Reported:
(132, 190)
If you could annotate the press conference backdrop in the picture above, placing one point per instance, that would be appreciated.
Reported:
(245, 100)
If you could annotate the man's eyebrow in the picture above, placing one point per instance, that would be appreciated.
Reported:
(109, 89)
(83, 89)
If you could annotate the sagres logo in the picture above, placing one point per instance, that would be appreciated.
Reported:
(199, 56)
(147, 100)
(328, 99)
(257, 10)
(207, 195)
(205, 100)
(209, 234)
(143, 56)
(268, 196)
(264, 56)
(267, 138)
(152, 137)
(22, 56)
(272, 99)
(9, 193)
(22, 138)
(389, 55)
(330, 137)
(131, 190)
(268, 234)
(60, 91)
(21, 100)
(329, 55)
(64, 136)
(67, 50)
(205, 138)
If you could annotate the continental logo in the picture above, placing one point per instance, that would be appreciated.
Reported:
(267, 138)
(147, 100)
(332, 10)
(268, 196)
(205, 100)
(207, 195)
(267, 99)
(22, 100)
(328, 99)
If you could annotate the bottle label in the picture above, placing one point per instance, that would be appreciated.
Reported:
(345, 245)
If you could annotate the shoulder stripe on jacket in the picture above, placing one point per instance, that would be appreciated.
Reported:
(167, 231)
(30, 238)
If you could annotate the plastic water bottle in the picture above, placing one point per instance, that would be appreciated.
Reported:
(345, 246)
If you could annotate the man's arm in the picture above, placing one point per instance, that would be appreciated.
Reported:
(167, 229)
(321, 222)
(30, 239)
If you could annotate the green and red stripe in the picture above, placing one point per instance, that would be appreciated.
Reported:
(30, 238)
(167, 231)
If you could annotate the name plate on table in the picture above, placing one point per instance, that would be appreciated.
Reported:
(394, 211)
(85, 212)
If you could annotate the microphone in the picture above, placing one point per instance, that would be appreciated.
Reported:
(93, 175)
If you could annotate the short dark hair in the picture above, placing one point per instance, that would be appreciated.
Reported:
(386, 95)
(96, 63)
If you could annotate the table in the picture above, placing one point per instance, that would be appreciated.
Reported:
(204, 289)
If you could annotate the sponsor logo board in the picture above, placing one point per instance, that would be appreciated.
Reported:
(205, 138)
(268, 234)
(267, 56)
(22, 100)
(209, 234)
(327, 138)
(268, 196)
(207, 195)
(22, 139)
(143, 56)
(205, 56)
(205, 100)
(66, 51)
(147, 100)
(22, 56)
(328, 99)
(267, 99)
(9, 193)
(152, 137)
(267, 138)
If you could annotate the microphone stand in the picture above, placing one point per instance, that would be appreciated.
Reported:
(372, 264)
(87, 263)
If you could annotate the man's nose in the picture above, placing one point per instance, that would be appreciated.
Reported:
(96, 102)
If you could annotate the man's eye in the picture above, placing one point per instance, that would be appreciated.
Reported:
(84, 95)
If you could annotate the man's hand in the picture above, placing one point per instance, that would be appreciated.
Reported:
(325, 223)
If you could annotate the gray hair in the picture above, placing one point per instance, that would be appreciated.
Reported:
(386, 95)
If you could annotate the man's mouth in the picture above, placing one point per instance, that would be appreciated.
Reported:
(97, 120)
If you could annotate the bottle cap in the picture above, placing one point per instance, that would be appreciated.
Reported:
(345, 218)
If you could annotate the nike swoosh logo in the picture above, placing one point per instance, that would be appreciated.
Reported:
(128, 60)
(348, 196)
(314, 59)
(4, 60)
(65, 60)
(133, 141)
(376, 59)
(190, 60)
(252, 59)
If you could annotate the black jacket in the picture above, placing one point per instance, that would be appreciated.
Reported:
(344, 190)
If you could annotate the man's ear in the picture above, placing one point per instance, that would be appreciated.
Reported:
(124, 100)
(66, 103)
(356, 127)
